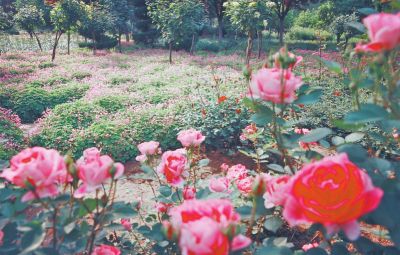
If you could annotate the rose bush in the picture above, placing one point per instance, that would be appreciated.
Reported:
(296, 188)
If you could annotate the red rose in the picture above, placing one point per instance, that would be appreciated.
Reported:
(333, 192)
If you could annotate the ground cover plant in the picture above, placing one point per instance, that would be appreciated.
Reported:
(220, 151)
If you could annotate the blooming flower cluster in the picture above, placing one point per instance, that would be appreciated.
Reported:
(237, 174)
(206, 227)
(148, 149)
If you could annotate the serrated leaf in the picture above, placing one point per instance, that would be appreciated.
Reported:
(367, 113)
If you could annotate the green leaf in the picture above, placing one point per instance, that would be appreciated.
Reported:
(331, 65)
(123, 210)
(367, 11)
(276, 168)
(357, 25)
(69, 227)
(166, 191)
(316, 135)
(32, 239)
(367, 113)
(263, 116)
(90, 204)
(310, 97)
(354, 137)
(273, 223)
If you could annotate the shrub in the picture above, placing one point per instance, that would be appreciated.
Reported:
(45, 65)
(112, 103)
(115, 81)
(67, 94)
(104, 43)
(221, 123)
(6, 95)
(56, 80)
(303, 33)
(80, 75)
(11, 137)
(30, 103)
(207, 44)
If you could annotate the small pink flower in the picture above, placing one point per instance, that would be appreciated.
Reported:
(173, 166)
(106, 250)
(383, 31)
(149, 148)
(333, 192)
(163, 207)
(276, 188)
(237, 172)
(245, 186)
(126, 223)
(224, 167)
(284, 53)
(37, 168)
(275, 85)
(94, 170)
(219, 184)
(304, 131)
(141, 158)
(308, 246)
(189, 193)
(191, 137)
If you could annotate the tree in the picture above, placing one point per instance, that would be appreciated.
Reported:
(5, 20)
(177, 20)
(281, 9)
(247, 16)
(65, 17)
(215, 8)
(120, 12)
(96, 22)
(30, 18)
(143, 28)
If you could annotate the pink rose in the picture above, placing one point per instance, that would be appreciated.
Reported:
(163, 207)
(220, 210)
(224, 167)
(173, 166)
(276, 188)
(126, 223)
(245, 186)
(333, 192)
(149, 148)
(203, 237)
(94, 170)
(189, 193)
(383, 32)
(106, 250)
(141, 158)
(308, 246)
(275, 85)
(191, 137)
(219, 184)
(237, 172)
(203, 225)
(37, 168)
(304, 131)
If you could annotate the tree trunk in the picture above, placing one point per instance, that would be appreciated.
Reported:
(58, 35)
(94, 43)
(193, 44)
(69, 42)
(170, 52)
(119, 43)
(260, 43)
(281, 29)
(127, 38)
(38, 41)
(249, 47)
(220, 28)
